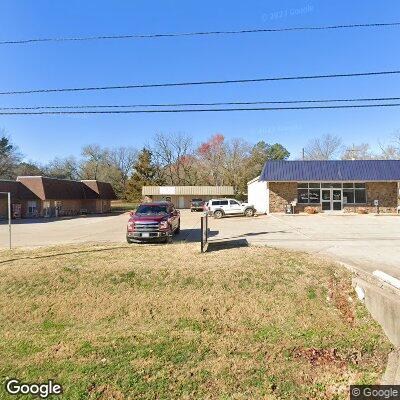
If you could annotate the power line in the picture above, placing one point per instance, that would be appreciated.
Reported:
(204, 33)
(220, 82)
(203, 104)
(198, 110)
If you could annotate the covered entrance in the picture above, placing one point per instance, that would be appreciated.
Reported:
(331, 199)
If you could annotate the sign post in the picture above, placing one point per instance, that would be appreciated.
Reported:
(376, 204)
(204, 233)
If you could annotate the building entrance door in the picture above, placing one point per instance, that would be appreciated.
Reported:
(331, 199)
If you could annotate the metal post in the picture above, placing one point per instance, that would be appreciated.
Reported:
(202, 234)
(9, 217)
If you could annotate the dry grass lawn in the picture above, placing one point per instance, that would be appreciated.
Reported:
(165, 322)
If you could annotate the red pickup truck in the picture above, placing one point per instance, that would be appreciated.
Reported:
(153, 221)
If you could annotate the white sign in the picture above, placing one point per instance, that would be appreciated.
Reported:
(376, 202)
(167, 189)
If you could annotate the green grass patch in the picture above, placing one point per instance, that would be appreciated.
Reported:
(137, 322)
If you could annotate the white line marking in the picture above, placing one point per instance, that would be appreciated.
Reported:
(387, 278)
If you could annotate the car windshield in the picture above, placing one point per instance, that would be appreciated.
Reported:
(146, 209)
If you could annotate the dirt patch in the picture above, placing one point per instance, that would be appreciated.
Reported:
(320, 357)
(340, 295)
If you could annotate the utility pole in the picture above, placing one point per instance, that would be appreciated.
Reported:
(352, 152)
(304, 154)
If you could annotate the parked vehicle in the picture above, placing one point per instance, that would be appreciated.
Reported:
(196, 205)
(153, 221)
(218, 208)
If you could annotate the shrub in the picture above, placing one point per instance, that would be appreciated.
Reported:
(362, 210)
(311, 210)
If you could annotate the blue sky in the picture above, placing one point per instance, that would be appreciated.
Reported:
(77, 64)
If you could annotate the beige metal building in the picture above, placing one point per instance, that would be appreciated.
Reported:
(181, 196)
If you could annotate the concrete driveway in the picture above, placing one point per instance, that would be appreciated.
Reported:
(368, 242)
(92, 228)
(365, 241)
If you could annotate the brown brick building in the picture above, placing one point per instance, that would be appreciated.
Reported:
(38, 196)
(340, 186)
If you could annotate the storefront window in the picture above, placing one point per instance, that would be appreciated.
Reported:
(314, 196)
(348, 185)
(353, 193)
(348, 196)
(302, 195)
(360, 196)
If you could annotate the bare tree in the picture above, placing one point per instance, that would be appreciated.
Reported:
(392, 150)
(326, 147)
(358, 152)
(236, 155)
(174, 156)
(94, 158)
(212, 156)
(63, 168)
(123, 158)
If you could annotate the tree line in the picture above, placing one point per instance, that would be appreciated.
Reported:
(330, 147)
(177, 160)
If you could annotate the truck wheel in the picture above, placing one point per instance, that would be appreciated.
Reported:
(168, 240)
(249, 212)
(218, 214)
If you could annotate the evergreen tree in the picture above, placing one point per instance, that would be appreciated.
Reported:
(9, 157)
(144, 173)
(263, 152)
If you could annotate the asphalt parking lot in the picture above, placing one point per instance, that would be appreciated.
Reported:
(368, 242)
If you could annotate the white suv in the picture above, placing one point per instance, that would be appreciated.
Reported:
(221, 207)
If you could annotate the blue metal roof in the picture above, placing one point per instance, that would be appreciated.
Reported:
(332, 170)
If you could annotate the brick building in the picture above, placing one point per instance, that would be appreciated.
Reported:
(38, 196)
(340, 185)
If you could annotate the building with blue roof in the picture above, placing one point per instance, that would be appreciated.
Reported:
(327, 186)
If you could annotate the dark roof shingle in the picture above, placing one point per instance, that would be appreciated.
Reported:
(63, 189)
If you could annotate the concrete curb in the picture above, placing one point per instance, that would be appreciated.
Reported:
(382, 300)
(392, 373)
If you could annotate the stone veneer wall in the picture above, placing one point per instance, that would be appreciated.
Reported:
(281, 194)
(385, 192)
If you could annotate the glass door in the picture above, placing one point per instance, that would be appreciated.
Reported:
(331, 199)
(326, 199)
(336, 199)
